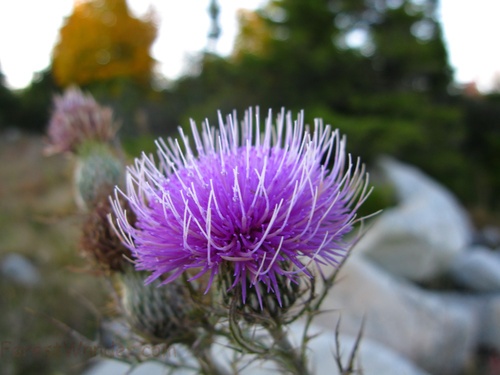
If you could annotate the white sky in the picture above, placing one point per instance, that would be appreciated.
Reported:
(29, 30)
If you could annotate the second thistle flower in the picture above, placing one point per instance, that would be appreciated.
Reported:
(76, 119)
(81, 126)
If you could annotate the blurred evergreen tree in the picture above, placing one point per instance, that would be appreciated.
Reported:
(340, 54)
(376, 69)
(215, 29)
(35, 102)
(362, 58)
(403, 56)
(403, 40)
(8, 104)
(482, 120)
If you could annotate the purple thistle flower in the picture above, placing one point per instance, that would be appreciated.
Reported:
(77, 118)
(263, 203)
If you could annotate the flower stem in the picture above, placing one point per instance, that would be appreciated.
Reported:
(290, 358)
(208, 365)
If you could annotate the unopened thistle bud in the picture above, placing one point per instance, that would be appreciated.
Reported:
(165, 314)
(260, 302)
(100, 242)
(98, 169)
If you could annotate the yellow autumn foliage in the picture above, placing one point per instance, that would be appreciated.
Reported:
(100, 40)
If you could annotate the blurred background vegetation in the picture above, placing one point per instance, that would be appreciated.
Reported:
(376, 69)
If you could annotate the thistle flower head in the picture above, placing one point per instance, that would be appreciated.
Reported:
(77, 118)
(264, 202)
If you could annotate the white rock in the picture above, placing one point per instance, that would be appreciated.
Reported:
(373, 358)
(486, 310)
(477, 269)
(154, 368)
(420, 237)
(20, 270)
(106, 367)
(420, 325)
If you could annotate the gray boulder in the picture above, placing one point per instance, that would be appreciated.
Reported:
(20, 270)
(420, 325)
(372, 357)
(477, 269)
(420, 237)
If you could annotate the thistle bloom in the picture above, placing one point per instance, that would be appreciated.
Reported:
(262, 204)
(77, 118)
